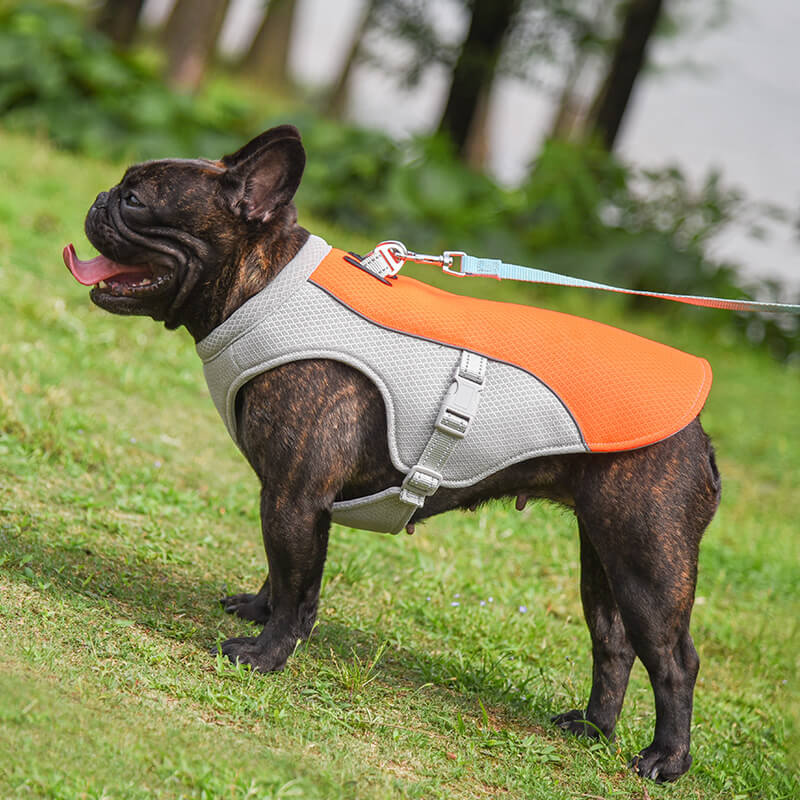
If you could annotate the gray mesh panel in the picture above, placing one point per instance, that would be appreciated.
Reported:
(412, 378)
(276, 293)
(518, 417)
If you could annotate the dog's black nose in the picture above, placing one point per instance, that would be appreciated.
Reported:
(102, 200)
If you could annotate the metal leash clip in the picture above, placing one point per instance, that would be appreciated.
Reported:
(387, 259)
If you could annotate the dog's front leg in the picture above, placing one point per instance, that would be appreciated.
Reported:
(296, 541)
(306, 428)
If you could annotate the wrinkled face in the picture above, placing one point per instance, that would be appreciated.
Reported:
(153, 231)
(171, 225)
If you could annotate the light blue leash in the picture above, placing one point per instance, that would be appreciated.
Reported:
(387, 258)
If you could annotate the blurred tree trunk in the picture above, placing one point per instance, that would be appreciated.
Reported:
(336, 104)
(476, 148)
(475, 68)
(570, 120)
(564, 118)
(190, 39)
(118, 19)
(267, 60)
(628, 58)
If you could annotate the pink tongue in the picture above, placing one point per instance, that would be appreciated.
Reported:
(96, 269)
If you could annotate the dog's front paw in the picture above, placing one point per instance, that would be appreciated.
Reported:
(248, 650)
(253, 607)
(575, 722)
(660, 766)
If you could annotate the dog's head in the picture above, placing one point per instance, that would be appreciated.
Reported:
(175, 228)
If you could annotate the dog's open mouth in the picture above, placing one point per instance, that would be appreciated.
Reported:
(121, 280)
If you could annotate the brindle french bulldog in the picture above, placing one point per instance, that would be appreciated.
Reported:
(188, 241)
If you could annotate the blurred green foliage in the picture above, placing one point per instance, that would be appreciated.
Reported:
(581, 211)
(60, 77)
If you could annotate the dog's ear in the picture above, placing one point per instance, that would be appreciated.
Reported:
(260, 142)
(264, 175)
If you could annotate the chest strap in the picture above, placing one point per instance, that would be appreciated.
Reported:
(390, 510)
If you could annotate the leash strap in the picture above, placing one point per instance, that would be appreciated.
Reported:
(495, 268)
(387, 258)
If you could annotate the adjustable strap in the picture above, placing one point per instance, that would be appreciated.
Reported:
(452, 424)
(390, 510)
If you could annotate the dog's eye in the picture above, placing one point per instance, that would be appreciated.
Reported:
(133, 201)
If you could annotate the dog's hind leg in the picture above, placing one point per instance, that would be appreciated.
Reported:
(644, 513)
(612, 652)
(656, 605)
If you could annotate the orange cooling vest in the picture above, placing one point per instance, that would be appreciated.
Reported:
(533, 382)
(623, 391)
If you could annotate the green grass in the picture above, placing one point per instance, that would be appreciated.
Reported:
(125, 512)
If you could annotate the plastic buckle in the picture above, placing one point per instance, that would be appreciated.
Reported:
(459, 406)
(420, 483)
(452, 422)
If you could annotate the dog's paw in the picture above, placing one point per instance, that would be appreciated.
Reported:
(251, 607)
(247, 650)
(659, 766)
(575, 722)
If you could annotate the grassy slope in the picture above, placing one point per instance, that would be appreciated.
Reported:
(125, 510)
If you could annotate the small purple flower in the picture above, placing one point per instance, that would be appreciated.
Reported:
(483, 602)
(523, 609)
(455, 603)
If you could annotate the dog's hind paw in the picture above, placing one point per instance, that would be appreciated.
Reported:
(660, 767)
(248, 650)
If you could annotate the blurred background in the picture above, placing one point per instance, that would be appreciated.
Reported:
(645, 143)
